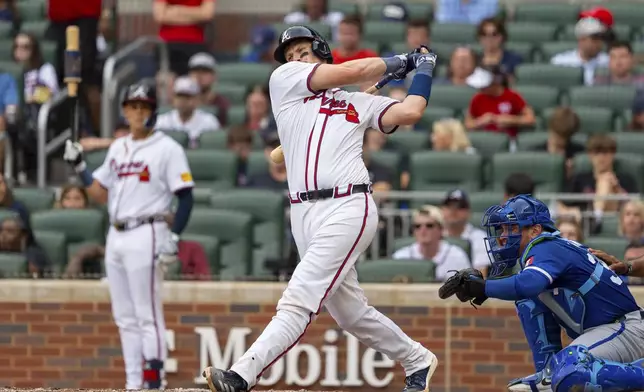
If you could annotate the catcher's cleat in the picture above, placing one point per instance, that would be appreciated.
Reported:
(224, 380)
(419, 381)
(532, 383)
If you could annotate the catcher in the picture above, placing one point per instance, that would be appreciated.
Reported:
(559, 283)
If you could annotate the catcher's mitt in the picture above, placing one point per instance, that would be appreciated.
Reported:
(463, 283)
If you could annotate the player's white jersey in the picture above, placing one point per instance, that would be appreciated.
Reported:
(322, 132)
(141, 176)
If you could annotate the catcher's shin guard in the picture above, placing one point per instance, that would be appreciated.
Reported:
(153, 374)
(576, 369)
(541, 330)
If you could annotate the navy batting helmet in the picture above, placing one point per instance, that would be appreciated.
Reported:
(318, 44)
(142, 93)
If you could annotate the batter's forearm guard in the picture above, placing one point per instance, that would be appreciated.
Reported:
(541, 330)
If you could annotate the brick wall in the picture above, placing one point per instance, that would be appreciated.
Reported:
(49, 342)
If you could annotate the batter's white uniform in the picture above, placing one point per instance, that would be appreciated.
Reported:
(322, 134)
(141, 177)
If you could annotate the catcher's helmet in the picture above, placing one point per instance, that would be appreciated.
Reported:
(318, 44)
(142, 93)
(503, 224)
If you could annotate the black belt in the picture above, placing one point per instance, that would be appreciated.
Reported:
(137, 222)
(331, 193)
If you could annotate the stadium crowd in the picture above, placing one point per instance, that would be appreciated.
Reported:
(524, 101)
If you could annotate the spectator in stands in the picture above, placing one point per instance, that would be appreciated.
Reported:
(182, 25)
(465, 11)
(496, 107)
(275, 178)
(186, 116)
(417, 34)
(456, 214)
(315, 11)
(631, 220)
(240, 141)
(9, 202)
(634, 251)
(428, 226)
(570, 229)
(263, 41)
(194, 262)
(105, 35)
(258, 109)
(450, 135)
(8, 12)
(462, 64)
(73, 197)
(203, 68)
(9, 115)
(349, 39)
(380, 176)
(621, 67)
(518, 184)
(562, 125)
(100, 143)
(15, 237)
(637, 113)
(492, 36)
(41, 81)
(589, 55)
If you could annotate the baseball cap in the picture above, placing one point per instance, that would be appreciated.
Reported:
(262, 37)
(430, 211)
(480, 78)
(185, 85)
(396, 12)
(600, 13)
(589, 26)
(457, 197)
(202, 60)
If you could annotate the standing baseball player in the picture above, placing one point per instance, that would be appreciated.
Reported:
(141, 174)
(333, 216)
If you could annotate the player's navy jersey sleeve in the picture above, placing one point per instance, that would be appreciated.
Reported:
(177, 172)
(104, 173)
(291, 83)
(377, 109)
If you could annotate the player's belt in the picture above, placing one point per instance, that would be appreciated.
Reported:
(130, 224)
(332, 193)
(623, 318)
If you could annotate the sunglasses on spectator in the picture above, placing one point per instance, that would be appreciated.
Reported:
(425, 225)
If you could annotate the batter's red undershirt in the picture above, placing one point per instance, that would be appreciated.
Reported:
(338, 58)
(509, 102)
(67, 10)
(187, 33)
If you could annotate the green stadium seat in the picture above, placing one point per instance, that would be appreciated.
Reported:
(408, 142)
(244, 74)
(257, 164)
(216, 169)
(638, 48)
(531, 32)
(609, 227)
(524, 49)
(391, 160)
(451, 97)
(322, 28)
(95, 158)
(629, 142)
(213, 140)
(591, 119)
(180, 137)
(35, 199)
(611, 97)
(489, 143)
(631, 164)
(267, 209)
(55, 246)
(548, 75)
(481, 201)
(13, 265)
(235, 92)
(419, 11)
(48, 49)
(476, 218)
(432, 170)
(539, 97)
(612, 245)
(626, 12)
(388, 271)
(31, 10)
(234, 230)
(433, 114)
(623, 32)
(528, 141)
(211, 247)
(6, 46)
(6, 32)
(37, 28)
(236, 115)
(201, 196)
(453, 33)
(546, 170)
(550, 12)
(550, 49)
(345, 8)
(384, 32)
(77, 225)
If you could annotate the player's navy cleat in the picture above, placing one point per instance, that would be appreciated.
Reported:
(532, 383)
(419, 381)
(224, 380)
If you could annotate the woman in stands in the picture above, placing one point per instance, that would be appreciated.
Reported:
(450, 135)
(41, 81)
(258, 110)
(631, 220)
(570, 229)
(462, 64)
(492, 36)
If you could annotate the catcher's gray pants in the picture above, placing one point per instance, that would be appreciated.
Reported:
(621, 342)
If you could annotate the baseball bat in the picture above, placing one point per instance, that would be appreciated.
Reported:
(73, 73)
(277, 155)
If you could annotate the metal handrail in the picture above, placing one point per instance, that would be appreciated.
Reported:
(110, 84)
(45, 148)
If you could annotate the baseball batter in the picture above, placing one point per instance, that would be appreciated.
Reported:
(141, 174)
(333, 215)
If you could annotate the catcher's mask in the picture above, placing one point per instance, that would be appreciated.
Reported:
(504, 225)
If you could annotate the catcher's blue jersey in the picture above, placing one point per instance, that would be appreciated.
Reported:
(583, 292)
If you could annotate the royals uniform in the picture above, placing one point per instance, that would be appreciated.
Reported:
(321, 134)
(141, 177)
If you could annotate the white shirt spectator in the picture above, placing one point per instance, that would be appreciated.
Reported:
(43, 76)
(449, 257)
(200, 122)
(332, 19)
(476, 237)
(572, 59)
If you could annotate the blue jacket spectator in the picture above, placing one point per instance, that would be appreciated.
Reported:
(263, 42)
(8, 93)
(465, 11)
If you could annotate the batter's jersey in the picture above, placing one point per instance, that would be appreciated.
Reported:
(141, 176)
(322, 131)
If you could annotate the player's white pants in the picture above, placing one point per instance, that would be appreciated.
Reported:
(330, 236)
(135, 282)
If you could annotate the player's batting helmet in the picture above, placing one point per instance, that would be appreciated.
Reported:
(318, 43)
(142, 93)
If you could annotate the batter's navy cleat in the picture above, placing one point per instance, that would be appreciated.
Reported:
(224, 380)
(532, 383)
(419, 381)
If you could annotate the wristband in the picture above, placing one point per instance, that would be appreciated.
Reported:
(421, 85)
(86, 177)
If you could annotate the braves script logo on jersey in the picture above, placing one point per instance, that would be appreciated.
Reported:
(336, 107)
(127, 169)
